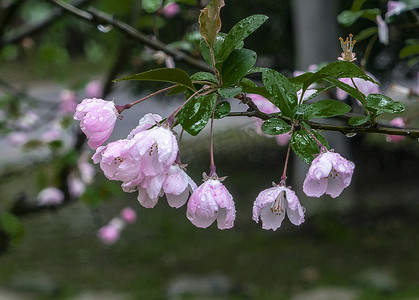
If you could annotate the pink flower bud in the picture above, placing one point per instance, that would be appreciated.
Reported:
(129, 215)
(209, 202)
(50, 196)
(171, 9)
(94, 89)
(397, 122)
(395, 8)
(382, 30)
(97, 119)
(110, 233)
(271, 206)
(329, 173)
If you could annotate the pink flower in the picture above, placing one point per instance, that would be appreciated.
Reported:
(382, 30)
(395, 8)
(17, 138)
(171, 9)
(87, 171)
(366, 87)
(76, 186)
(146, 122)
(177, 186)
(111, 232)
(209, 202)
(97, 119)
(68, 102)
(397, 122)
(50, 196)
(94, 89)
(272, 204)
(129, 215)
(28, 121)
(329, 173)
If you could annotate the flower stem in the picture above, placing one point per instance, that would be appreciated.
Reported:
(212, 164)
(121, 108)
(284, 174)
(321, 146)
(363, 101)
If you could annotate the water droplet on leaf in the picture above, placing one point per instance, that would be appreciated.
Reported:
(104, 28)
(351, 134)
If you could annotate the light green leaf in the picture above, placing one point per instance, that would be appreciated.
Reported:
(348, 17)
(151, 6)
(275, 126)
(282, 91)
(238, 33)
(172, 75)
(366, 33)
(326, 109)
(204, 76)
(237, 65)
(409, 50)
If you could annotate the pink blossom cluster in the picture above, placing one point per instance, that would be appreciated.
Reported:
(111, 232)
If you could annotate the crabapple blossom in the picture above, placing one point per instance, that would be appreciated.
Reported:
(329, 173)
(347, 48)
(50, 196)
(76, 186)
(129, 215)
(67, 101)
(87, 171)
(395, 8)
(209, 202)
(171, 9)
(177, 186)
(97, 119)
(146, 122)
(366, 87)
(382, 30)
(271, 206)
(398, 122)
(94, 89)
(111, 232)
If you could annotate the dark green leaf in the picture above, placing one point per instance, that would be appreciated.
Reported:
(348, 17)
(238, 33)
(222, 109)
(205, 50)
(260, 90)
(409, 50)
(176, 90)
(275, 126)
(11, 226)
(229, 92)
(383, 104)
(237, 65)
(195, 114)
(210, 21)
(360, 120)
(282, 91)
(357, 4)
(172, 75)
(366, 33)
(247, 83)
(204, 76)
(326, 109)
(305, 146)
(347, 88)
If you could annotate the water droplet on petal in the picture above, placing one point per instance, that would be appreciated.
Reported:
(104, 28)
(351, 134)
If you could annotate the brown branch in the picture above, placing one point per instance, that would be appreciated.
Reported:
(100, 18)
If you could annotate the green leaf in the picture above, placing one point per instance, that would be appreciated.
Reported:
(195, 114)
(366, 33)
(275, 126)
(247, 83)
(210, 22)
(340, 69)
(383, 104)
(222, 109)
(359, 120)
(151, 6)
(348, 17)
(172, 75)
(237, 65)
(347, 88)
(238, 33)
(282, 91)
(260, 90)
(204, 76)
(11, 226)
(229, 92)
(326, 109)
(205, 50)
(409, 50)
(357, 5)
(304, 145)
(176, 90)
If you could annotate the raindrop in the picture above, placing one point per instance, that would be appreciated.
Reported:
(104, 28)
(408, 132)
(351, 134)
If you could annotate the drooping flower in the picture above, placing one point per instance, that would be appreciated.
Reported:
(171, 9)
(395, 8)
(94, 89)
(329, 173)
(111, 232)
(50, 196)
(382, 30)
(129, 215)
(347, 48)
(97, 119)
(209, 202)
(177, 186)
(271, 206)
(366, 87)
(398, 122)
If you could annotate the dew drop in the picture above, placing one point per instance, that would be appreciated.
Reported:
(408, 132)
(104, 28)
(351, 134)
